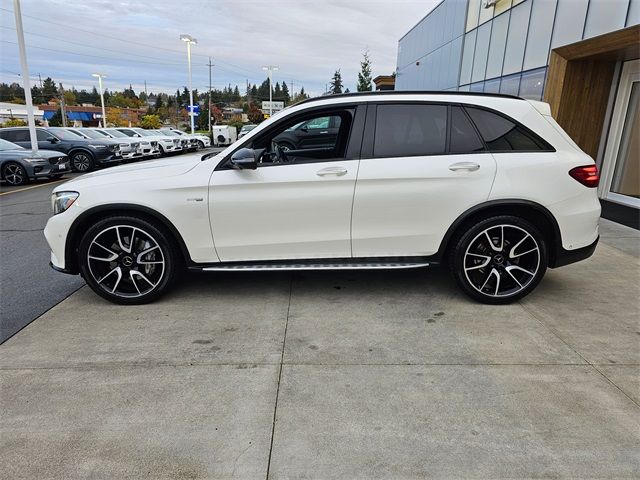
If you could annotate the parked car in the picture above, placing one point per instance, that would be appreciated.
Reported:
(188, 144)
(165, 144)
(488, 185)
(246, 129)
(197, 141)
(19, 165)
(149, 148)
(129, 149)
(84, 154)
(224, 134)
(318, 132)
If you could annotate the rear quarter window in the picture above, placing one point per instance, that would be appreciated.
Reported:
(504, 135)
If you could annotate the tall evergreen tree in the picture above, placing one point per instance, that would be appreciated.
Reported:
(364, 76)
(336, 83)
(49, 89)
(277, 92)
(285, 93)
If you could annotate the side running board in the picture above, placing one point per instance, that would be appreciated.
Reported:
(252, 267)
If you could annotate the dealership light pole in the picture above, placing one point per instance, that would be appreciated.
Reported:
(189, 40)
(100, 76)
(25, 76)
(270, 69)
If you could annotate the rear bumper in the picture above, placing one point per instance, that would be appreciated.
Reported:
(565, 257)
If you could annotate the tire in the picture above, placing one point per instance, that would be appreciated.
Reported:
(82, 162)
(286, 146)
(498, 260)
(200, 145)
(107, 259)
(14, 173)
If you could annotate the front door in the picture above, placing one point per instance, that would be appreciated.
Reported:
(295, 205)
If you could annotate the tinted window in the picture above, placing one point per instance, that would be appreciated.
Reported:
(19, 136)
(501, 134)
(42, 136)
(7, 135)
(410, 130)
(464, 138)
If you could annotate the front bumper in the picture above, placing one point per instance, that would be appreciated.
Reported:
(566, 257)
(106, 158)
(45, 169)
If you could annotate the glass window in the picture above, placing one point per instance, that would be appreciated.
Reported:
(540, 29)
(633, 16)
(605, 16)
(476, 87)
(492, 86)
(516, 39)
(467, 57)
(532, 84)
(463, 137)
(464, 88)
(482, 49)
(314, 139)
(626, 177)
(65, 134)
(410, 130)
(501, 134)
(473, 14)
(569, 24)
(510, 85)
(496, 48)
(42, 136)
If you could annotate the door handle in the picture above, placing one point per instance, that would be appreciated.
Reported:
(468, 166)
(337, 171)
(324, 132)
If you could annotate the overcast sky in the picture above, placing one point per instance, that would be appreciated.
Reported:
(134, 41)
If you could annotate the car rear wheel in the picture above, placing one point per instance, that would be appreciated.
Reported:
(499, 260)
(81, 162)
(14, 174)
(200, 145)
(127, 260)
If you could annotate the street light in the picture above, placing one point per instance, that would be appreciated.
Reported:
(270, 69)
(25, 75)
(190, 41)
(100, 76)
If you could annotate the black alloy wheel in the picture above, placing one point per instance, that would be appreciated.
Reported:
(127, 260)
(14, 173)
(82, 162)
(499, 260)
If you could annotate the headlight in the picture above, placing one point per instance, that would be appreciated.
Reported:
(97, 146)
(34, 159)
(61, 201)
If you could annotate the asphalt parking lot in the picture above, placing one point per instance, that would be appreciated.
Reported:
(334, 375)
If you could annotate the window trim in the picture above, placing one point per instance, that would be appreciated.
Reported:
(352, 148)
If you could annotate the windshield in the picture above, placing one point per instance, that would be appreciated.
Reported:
(248, 128)
(169, 132)
(4, 145)
(118, 134)
(146, 133)
(104, 134)
(93, 134)
(65, 134)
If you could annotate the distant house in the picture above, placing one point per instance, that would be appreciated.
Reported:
(16, 111)
(385, 82)
(90, 115)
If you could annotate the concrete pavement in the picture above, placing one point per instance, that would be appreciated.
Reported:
(366, 374)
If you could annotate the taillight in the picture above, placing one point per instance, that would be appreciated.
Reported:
(587, 175)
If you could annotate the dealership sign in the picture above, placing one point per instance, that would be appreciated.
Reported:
(275, 106)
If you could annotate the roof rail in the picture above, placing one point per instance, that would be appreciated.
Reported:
(408, 92)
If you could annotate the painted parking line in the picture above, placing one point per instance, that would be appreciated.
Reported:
(33, 186)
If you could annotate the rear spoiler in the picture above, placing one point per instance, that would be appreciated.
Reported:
(542, 107)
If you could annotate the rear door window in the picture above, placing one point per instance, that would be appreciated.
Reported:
(410, 130)
(503, 135)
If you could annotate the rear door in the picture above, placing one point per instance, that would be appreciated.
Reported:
(423, 164)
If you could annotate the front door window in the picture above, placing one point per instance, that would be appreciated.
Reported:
(626, 176)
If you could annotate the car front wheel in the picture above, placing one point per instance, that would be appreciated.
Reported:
(14, 174)
(499, 260)
(82, 162)
(127, 260)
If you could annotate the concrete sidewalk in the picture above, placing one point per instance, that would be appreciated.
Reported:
(334, 375)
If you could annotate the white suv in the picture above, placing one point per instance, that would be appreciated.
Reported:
(489, 185)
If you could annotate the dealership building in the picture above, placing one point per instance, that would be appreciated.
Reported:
(580, 56)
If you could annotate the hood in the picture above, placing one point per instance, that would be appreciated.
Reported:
(25, 153)
(168, 167)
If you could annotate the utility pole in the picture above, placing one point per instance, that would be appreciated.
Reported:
(209, 107)
(26, 84)
(145, 89)
(292, 95)
(270, 69)
(190, 41)
(100, 76)
(62, 107)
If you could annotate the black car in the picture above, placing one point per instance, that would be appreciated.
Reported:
(319, 132)
(19, 165)
(84, 154)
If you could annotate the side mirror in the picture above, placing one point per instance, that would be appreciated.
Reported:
(244, 159)
(304, 128)
(53, 139)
